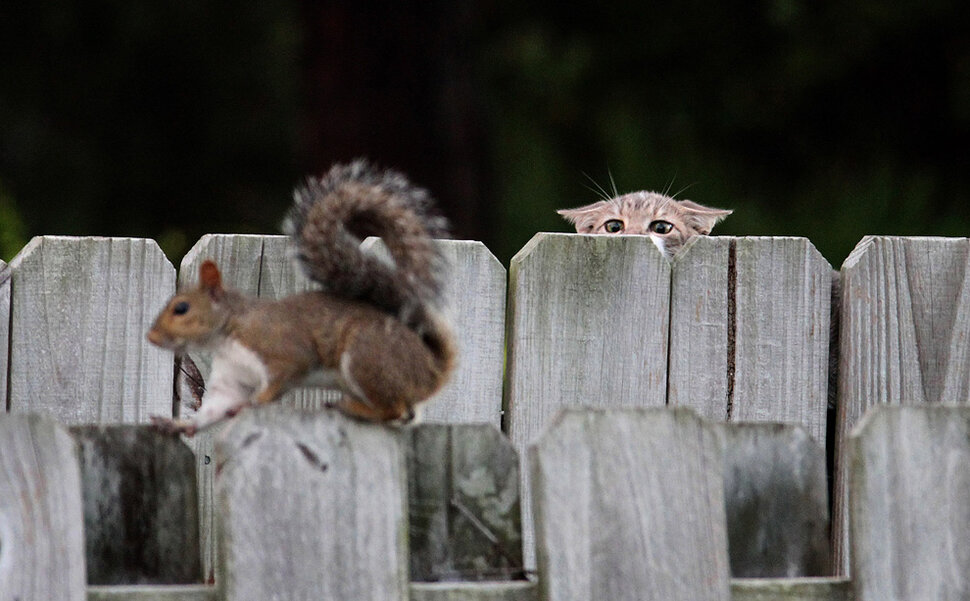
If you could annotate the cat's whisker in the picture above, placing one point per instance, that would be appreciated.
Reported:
(598, 190)
(613, 183)
(688, 186)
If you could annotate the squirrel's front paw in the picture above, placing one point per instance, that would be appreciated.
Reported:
(173, 427)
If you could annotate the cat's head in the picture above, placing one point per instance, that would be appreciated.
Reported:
(670, 223)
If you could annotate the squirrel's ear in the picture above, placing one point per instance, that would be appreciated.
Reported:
(209, 278)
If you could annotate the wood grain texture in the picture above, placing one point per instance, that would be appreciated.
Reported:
(4, 332)
(781, 343)
(475, 303)
(776, 501)
(463, 490)
(700, 327)
(256, 265)
(41, 522)
(587, 326)
(792, 589)
(905, 337)
(910, 519)
(313, 506)
(80, 309)
(140, 507)
(629, 504)
(147, 592)
(475, 591)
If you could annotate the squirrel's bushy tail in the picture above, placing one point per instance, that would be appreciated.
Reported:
(332, 214)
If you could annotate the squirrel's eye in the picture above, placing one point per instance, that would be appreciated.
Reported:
(181, 308)
(661, 227)
(613, 226)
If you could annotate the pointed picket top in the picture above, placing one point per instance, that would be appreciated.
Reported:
(80, 308)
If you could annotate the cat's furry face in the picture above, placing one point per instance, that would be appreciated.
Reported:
(670, 223)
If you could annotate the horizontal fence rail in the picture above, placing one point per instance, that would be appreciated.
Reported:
(735, 329)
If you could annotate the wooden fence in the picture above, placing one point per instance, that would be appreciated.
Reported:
(628, 503)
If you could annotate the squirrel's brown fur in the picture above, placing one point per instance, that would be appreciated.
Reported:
(374, 330)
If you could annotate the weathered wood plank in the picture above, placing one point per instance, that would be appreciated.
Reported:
(148, 592)
(700, 325)
(80, 309)
(782, 337)
(475, 591)
(463, 489)
(905, 337)
(313, 506)
(587, 326)
(475, 302)
(794, 589)
(910, 515)
(629, 504)
(41, 523)
(776, 501)
(749, 331)
(256, 265)
(4, 332)
(140, 507)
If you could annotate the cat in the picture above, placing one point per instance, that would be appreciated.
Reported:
(670, 223)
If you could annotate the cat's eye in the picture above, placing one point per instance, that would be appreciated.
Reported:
(660, 227)
(180, 308)
(613, 226)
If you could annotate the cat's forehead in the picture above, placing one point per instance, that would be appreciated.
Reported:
(638, 203)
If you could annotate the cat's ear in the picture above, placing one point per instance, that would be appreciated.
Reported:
(584, 218)
(701, 218)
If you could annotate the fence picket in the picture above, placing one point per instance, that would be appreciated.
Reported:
(313, 506)
(782, 337)
(140, 508)
(80, 308)
(749, 331)
(905, 337)
(607, 485)
(4, 330)
(587, 326)
(910, 474)
(697, 374)
(41, 521)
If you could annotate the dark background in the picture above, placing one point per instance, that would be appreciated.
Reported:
(171, 119)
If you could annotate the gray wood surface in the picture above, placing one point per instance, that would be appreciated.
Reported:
(910, 515)
(41, 523)
(587, 326)
(700, 327)
(782, 337)
(629, 504)
(475, 591)
(475, 302)
(256, 265)
(148, 592)
(793, 589)
(313, 506)
(4, 332)
(749, 331)
(463, 489)
(905, 336)
(80, 310)
(776, 501)
(140, 508)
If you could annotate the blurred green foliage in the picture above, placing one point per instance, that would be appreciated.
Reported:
(168, 119)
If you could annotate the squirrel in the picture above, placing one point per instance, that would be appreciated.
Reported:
(374, 330)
